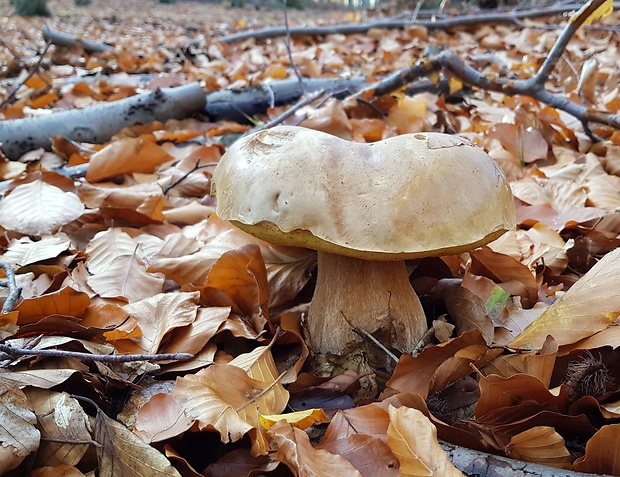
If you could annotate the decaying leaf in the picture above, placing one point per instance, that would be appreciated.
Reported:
(123, 453)
(18, 432)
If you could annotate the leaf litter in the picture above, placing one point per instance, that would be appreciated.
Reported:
(131, 259)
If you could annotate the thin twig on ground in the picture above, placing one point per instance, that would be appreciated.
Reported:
(287, 40)
(533, 87)
(11, 284)
(9, 99)
(197, 167)
(106, 358)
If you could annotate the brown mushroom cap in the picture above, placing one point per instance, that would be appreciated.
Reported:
(410, 196)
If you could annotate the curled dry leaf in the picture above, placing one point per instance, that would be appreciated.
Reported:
(18, 432)
(66, 301)
(602, 452)
(39, 208)
(225, 398)
(295, 450)
(125, 156)
(588, 307)
(413, 440)
(541, 445)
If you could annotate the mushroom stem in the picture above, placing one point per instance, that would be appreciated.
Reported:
(374, 296)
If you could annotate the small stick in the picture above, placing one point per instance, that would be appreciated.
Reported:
(11, 284)
(105, 358)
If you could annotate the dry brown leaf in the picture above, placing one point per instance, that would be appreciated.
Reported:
(157, 316)
(242, 276)
(161, 418)
(56, 471)
(124, 156)
(38, 208)
(413, 440)
(588, 307)
(497, 392)
(437, 366)
(66, 301)
(225, 398)
(240, 463)
(118, 269)
(295, 450)
(515, 277)
(123, 453)
(194, 337)
(63, 423)
(602, 452)
(18, 432)
(540, 445)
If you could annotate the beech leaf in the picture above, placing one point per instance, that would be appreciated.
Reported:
(588, 307)
(413, 439)
(38, 208)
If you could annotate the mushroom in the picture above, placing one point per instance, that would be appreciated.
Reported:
(365, 208)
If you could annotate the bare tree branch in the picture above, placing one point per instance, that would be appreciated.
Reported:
(11, 284)
(399, 23)
(106, 358)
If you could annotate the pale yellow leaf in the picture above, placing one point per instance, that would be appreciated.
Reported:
(601, 12)
(589, 306)
(299, 419)
(413, 440)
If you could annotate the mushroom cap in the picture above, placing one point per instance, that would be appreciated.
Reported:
(410, 196)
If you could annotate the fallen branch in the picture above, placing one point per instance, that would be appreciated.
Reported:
(11, 284)
(472, 462)
(58, 38)
(99, 123)
(533, 87)
(105, 358)
(398, 23)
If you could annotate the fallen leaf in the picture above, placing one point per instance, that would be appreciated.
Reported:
(590, 306)
(295, 450)
(413, 440)
(38, 208)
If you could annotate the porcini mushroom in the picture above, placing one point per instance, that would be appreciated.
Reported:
(366, 208)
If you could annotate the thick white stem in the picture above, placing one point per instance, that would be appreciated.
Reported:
(370, 295)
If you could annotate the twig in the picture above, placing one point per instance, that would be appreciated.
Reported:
(288, 113)
(11, 284)
(105, 358)
(396, 23)
(533, 87)
(374, 340)
(287, 41)
(198, 166)
(35, 69)
(72, 442)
